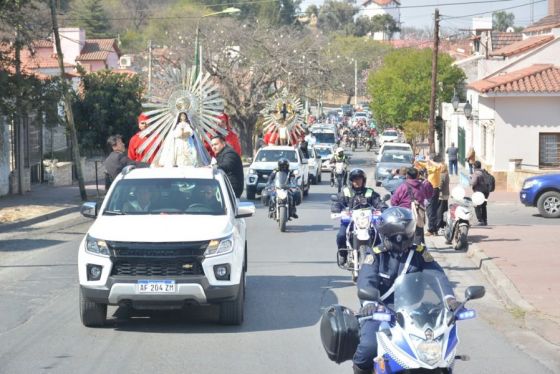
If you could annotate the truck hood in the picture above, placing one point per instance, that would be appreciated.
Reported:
(161, 228)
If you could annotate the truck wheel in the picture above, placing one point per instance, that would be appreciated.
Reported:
(92, 314)
(231, 312)
(306, 190)
(251, 194)
(549, 204)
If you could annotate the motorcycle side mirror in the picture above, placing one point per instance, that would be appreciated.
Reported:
(387, 197)
(368, 294)
(474, 292)
(334, 198)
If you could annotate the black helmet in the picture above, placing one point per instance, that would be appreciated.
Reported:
(284, 164)
(396, 227)
(357, 173)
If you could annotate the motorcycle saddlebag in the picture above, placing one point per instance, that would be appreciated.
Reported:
(340, 333)
(297, 196)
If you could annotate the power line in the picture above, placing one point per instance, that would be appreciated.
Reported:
(495, 10)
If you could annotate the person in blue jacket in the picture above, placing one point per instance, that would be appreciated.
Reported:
(382, 265)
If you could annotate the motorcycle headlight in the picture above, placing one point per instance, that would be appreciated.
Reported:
(529, 184)
(362, 222)
(219, 247)
(429, 351)
(252, 171)
(282, 194)
(97, 246)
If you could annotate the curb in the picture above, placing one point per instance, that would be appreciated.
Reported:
(44, 217)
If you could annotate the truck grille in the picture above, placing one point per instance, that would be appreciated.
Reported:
(157, 259)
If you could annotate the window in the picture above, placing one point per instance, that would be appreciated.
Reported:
(549, 150)
(325, 137)
(273, 155)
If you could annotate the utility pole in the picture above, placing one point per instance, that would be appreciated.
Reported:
(434, 84)
(355, 83)
(149, 67)
(18, 120)
(68, 105)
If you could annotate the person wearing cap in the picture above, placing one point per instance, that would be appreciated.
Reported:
(136, 142)
(231, 137)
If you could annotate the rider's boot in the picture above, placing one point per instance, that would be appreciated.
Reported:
(341, 259)
(357, 370)
(294, 214)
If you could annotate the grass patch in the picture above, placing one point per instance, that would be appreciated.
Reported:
(517, 313)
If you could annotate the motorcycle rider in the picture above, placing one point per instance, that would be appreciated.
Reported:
(395, 255)
(284, 165)
(338, 156)
(350, 197)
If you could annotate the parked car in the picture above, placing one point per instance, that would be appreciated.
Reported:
(543, 192)
(389, 161)
(142, 251)
(266, 160)
(389, 135)
(404, 147)
(314, 162)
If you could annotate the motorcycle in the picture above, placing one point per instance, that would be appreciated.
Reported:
(369, 143)
(279, 199)
(338, 174)
(458, 218)
(417, 333)
(361, 232)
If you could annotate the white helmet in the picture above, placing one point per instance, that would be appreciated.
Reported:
(340, 150)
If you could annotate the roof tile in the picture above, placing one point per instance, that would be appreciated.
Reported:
(541, 78)
(522, 46)
(503, 39)
(548, 22)
(97, 50)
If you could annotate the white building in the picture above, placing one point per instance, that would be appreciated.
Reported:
(372, 8)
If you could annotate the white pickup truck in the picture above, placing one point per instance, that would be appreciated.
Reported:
(266, 160)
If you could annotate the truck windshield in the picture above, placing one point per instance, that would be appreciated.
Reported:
(325, 137)
(272, 155)
(166, 196)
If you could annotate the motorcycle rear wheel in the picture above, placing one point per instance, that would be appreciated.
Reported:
(461, 242)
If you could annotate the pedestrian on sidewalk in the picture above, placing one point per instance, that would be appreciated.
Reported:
(443, 196)
(471, 158)
(452, 153)
(478, 184)
(415, 190)
(434, 178)
(116, 160)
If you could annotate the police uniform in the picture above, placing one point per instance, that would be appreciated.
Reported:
(346, 200)
(380, 269)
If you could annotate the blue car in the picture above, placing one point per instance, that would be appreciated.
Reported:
(543, 192)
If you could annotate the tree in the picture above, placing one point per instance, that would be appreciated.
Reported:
(90, 16)
(400, 89)
(336, 16)
(415, 131)
(502, 20)
(108, 104)
(312, 10)
(384, 23)
(362, 26)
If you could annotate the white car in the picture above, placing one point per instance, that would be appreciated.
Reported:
(266, 160)
(314, 162)
(325, 152)
(388, 136)
(402, 147)
(164, 238)
(358, 116)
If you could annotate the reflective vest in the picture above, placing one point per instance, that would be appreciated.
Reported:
(348, 193)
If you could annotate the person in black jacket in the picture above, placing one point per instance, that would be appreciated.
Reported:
(117, 160)
(230, 162)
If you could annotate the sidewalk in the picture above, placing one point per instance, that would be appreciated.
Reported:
(522, 262)
(43, 202)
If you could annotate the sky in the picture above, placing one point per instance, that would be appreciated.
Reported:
(420, 17)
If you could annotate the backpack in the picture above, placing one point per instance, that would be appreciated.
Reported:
(488, 182)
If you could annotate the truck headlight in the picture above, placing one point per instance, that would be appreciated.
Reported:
(97, 246)
(252, 171)
(219, 247)
(529, 184)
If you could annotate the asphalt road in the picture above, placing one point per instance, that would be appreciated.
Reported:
(292, 276)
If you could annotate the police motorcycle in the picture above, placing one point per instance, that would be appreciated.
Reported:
(418, 333)
(281, 197)
(361, 231)
(458, 217)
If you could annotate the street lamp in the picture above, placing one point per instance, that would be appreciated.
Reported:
(455, 101)
(468, 110)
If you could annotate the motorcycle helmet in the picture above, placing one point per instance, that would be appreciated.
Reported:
(396, 228)
(284, 165)
(357, 173)
(340, 151)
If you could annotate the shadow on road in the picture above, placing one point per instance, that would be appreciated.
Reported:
(308, 228)
(15, 245)
(272, 303)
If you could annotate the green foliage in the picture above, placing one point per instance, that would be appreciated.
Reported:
(401, 88)
(415, 131)
(384, 23)
(336, 16)
(502, 20)
(91, 16)
(109, 104)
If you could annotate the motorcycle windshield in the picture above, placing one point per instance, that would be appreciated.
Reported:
(420, 295)
(282, 180)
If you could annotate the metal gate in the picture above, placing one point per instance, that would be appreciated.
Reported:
(461, 145)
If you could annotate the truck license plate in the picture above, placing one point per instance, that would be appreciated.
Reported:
(149, 286)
